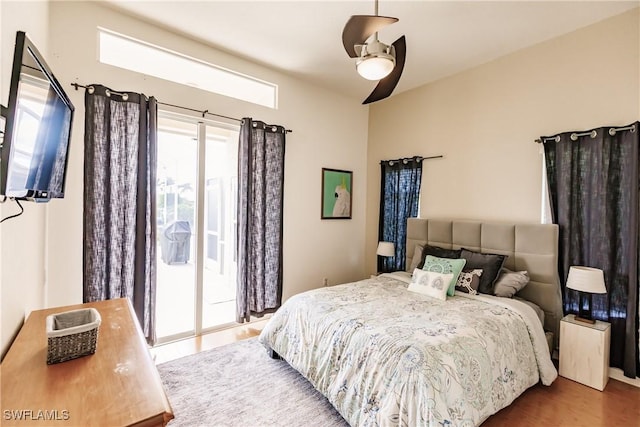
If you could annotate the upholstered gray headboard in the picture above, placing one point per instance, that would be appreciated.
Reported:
(530, 247)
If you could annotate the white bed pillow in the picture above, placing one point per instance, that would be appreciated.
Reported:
(430, 283)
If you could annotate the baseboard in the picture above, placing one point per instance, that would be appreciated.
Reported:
(618, 374)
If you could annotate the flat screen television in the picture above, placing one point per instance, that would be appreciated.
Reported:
(38, 118)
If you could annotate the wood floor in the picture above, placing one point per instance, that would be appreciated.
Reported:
(564, 404)
(165, 352)
(569, 404)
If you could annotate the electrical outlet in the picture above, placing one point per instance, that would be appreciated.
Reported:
(325, 282)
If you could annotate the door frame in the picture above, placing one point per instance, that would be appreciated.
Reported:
(200, 238)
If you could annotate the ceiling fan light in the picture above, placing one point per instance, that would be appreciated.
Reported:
(375, 67)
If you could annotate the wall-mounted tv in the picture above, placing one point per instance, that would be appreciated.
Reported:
(38, 118)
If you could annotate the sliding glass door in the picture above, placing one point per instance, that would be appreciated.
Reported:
(196, 214)
(219, 281)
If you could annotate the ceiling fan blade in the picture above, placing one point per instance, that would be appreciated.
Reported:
(386, 86)
(360, 27)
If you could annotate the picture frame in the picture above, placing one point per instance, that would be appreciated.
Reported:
(337, 194)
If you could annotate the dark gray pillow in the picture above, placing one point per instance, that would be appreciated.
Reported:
(439, 252)
(490, 264)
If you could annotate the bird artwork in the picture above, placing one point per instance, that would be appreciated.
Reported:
(342, 207)
(337, 193)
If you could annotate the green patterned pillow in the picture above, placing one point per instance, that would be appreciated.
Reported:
(445, 266)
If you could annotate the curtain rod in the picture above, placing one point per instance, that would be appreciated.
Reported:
(407, 159)
(202, 112)
(574, 136)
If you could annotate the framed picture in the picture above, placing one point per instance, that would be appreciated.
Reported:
(336, 194)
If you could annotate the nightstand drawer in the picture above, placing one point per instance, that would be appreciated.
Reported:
(584, 352)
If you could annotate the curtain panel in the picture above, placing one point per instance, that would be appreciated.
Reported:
(261, 152)
(119, 200)
(399, 200)
(593, 187)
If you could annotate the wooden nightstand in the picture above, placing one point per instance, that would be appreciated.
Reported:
(584, 351)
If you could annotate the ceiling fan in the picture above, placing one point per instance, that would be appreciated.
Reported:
(374, 60)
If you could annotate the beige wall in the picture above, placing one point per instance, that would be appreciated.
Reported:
(485, 120)
(329, 130)
(22, 239)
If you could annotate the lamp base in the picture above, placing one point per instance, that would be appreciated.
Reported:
(582, 319)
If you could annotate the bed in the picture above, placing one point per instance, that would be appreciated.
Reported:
(383, 355)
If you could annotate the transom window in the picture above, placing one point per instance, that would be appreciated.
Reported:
(142, 57)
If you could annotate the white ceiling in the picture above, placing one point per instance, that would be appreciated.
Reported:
(303, 38)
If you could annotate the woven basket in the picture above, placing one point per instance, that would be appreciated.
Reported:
(72, 334)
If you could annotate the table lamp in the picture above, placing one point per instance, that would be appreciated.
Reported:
(586, 280)
(386, 249)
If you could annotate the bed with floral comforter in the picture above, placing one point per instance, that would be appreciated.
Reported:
(383, 355)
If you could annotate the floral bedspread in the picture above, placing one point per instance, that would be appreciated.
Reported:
(385, 356)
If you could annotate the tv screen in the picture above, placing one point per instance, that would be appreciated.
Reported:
(37, 129)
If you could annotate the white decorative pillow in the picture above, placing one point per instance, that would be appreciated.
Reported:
(430, 283)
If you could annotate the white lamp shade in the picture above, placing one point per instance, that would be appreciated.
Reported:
(375, 68)
(586, 279)
(386, 249)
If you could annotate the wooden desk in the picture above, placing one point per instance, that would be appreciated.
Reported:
(117, 386)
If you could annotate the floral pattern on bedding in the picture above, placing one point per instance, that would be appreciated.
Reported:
(384, 356)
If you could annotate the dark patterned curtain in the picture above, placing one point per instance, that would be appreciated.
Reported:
(593, 187)
(399, 197)
(260, 203)
(119, 200)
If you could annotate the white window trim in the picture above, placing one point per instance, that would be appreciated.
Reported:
(545, 212)
(254, 90)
